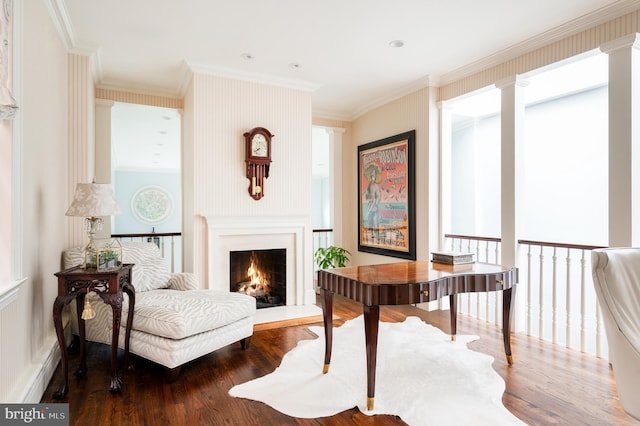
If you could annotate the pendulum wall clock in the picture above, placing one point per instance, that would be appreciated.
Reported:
(258, 159)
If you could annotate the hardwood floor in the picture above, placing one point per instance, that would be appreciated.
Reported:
(546, 385)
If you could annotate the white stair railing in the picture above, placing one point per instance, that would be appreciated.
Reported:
(555, 290)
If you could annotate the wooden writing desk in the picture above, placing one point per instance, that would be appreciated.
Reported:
(407, 283)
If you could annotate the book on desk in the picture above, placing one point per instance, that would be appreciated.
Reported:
(452, 258)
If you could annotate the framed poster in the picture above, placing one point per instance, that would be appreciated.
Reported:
(386, 192)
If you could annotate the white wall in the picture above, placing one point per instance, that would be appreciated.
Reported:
(43, 110)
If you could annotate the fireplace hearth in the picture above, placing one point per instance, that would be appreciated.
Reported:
(260, 274)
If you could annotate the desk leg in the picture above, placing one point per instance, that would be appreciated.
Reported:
(453, 308)
(58, 304)
(508, 301)
(115, 300)
(128, 288)
(327, 313)
(371, 317)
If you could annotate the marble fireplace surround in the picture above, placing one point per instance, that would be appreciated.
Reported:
(291, 232)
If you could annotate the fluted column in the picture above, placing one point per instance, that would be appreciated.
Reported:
(624, 140)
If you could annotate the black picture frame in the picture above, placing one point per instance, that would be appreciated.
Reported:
(386, 196)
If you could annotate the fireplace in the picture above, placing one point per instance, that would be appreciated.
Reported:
(261, 274)
(226, 234)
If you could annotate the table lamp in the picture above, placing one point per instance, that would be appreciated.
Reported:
(91, 201)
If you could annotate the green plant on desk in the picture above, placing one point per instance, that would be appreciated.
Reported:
(331, 257)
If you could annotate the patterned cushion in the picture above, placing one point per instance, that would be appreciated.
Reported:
(149, 271)
(183, 281)
(180, 314)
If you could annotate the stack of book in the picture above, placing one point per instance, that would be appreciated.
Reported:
(451, 258)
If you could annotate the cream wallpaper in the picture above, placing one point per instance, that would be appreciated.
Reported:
(218, 111)
(412, 112)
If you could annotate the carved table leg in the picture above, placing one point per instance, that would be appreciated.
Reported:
(82, 368)
(508, 302)
(453, 308)
(58, 304)
(128, 288)
(327, 313)
(371, 317)
(115, 300)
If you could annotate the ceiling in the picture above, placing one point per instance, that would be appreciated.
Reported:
(340, 50)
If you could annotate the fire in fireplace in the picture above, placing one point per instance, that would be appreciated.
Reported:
(261, 274)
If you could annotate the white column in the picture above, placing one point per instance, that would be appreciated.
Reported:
(511, 164)
(512, 168)
(446, 130)
(624, 141)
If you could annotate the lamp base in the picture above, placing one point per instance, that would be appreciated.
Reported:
(93, 225)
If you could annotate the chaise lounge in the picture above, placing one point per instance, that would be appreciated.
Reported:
(174, 320)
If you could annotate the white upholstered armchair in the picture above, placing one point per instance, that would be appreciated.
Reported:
(616, 277)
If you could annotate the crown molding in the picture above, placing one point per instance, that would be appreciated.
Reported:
(600, 16)
(419, 84)
(252, 77)
(331, 115)
(61, 21)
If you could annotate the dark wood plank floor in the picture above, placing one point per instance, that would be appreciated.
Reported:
(546, 385)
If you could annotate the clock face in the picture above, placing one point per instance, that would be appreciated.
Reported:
(259, 146)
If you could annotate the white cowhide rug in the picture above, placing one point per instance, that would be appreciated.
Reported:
(422, 377)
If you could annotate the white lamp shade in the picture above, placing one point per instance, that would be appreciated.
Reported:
(93, 200)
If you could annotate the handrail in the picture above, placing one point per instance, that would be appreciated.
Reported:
(527, 242)
(323, 230)
(149, 234)
(475, 238)
(560, 245)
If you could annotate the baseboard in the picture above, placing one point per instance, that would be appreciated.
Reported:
(36, 381)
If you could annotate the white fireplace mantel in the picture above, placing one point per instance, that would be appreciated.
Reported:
(291, 232)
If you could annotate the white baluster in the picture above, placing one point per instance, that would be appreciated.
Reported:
(529, 307)
(554, 297)
(582, 305)
(541, 294)
(568, 296)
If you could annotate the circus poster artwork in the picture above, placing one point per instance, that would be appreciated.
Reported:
(386, 174)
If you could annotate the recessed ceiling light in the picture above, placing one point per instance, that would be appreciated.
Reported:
(247, 56)
(163, 132)
(166, 117)
(396, 43)
(294, 65)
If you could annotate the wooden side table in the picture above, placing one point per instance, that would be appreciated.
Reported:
(75, 283)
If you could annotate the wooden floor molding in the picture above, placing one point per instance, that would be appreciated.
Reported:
(547, 384)
(291, 322)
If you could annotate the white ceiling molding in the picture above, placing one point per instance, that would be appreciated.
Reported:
(252, 77)
(570, 28)
(61, 21)
(426, 81)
